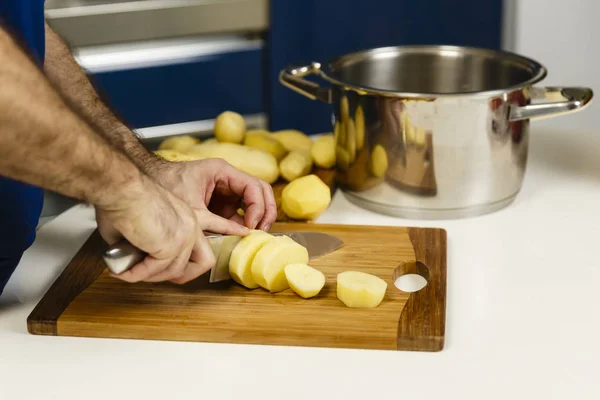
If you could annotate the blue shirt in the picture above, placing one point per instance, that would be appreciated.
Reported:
(20, 203)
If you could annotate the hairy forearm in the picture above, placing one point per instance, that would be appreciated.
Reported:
(66, 74)
(44, 143)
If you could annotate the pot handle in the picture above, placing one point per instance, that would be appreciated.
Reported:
(292, 78)
(577, 98)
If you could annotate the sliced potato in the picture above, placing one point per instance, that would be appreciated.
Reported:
(270, 261)
(230, 127)
(342, 158)
(292, 140)
(252, 161)
(360, 290)
(175, 156)
(180, 143)
(378, 163)
(323, 151)
(266, 143)
(304, 280)
(295, 165)
(242, 256)
(305, 198)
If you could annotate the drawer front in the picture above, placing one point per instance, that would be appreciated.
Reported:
(178, 81)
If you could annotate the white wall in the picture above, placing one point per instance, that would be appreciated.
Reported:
(564, 36)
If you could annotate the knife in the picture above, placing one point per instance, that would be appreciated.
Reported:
(122, 255)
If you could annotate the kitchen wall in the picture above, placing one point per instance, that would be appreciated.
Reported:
(563, 36)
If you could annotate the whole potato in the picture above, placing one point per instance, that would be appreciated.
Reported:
(230, 127)
(180, 143)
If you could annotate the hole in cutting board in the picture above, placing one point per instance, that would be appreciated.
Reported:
(411, 276)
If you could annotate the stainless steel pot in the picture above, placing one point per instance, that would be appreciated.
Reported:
(433, 131)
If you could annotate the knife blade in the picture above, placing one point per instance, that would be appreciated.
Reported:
(122, 255)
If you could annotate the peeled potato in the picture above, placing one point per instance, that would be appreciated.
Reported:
(323, 151)
(175, 156)
(304, 280)
(305, 198)
(209, 141)
(266, 143)
(262, 132)
(270, 261)
(242, 256)
(252, 161)
(178, 143)
(359, 126)
(378, 163)
(360, 290)
(295, 165)
(293, 140)
(230, 127)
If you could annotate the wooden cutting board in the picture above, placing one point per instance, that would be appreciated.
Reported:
(84, 301)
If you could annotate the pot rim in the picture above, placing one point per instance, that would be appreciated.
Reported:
(539, 72)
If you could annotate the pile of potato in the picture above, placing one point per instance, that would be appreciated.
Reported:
(277, 263)
(288, 154)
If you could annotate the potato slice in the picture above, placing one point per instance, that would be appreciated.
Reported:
(230, 127)
(304, 280)
(378, 163)
(351, 140)
(173, 155)
(242, 256)
(266, 143)
(292, 140)
(295, 165)
(252, 161)
(305, 198)
(179, 143)
(270, 261)
(323, 151)
(360, 290)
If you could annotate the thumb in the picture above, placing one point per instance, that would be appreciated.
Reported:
(213, 223)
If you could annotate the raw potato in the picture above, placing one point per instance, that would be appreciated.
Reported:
(293, 140)
(359, 126)
(254, 162)
(179, 143)
(378, 163)
(175, 156)
(230, 127)
(270, 261)
(323, 151)
(242, 256)
(266, 143)
(360, 290)
(262, 132)
(305, 198)
(295, 165)
(304, 280)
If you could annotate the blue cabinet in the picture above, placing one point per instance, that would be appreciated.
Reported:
(311, 30)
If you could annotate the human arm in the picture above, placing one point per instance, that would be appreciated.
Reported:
(189, 181)
(45, 143)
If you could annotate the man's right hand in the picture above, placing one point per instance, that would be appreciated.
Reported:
(165, 227)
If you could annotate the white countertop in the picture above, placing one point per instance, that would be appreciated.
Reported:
(523, 293)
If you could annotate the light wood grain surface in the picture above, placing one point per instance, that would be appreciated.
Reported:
(227, 313)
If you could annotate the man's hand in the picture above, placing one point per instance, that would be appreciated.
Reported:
(218, 186)
(166, 228)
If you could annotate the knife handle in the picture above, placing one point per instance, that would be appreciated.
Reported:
(121, 256)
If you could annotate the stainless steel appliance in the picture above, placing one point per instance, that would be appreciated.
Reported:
(433, 131)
